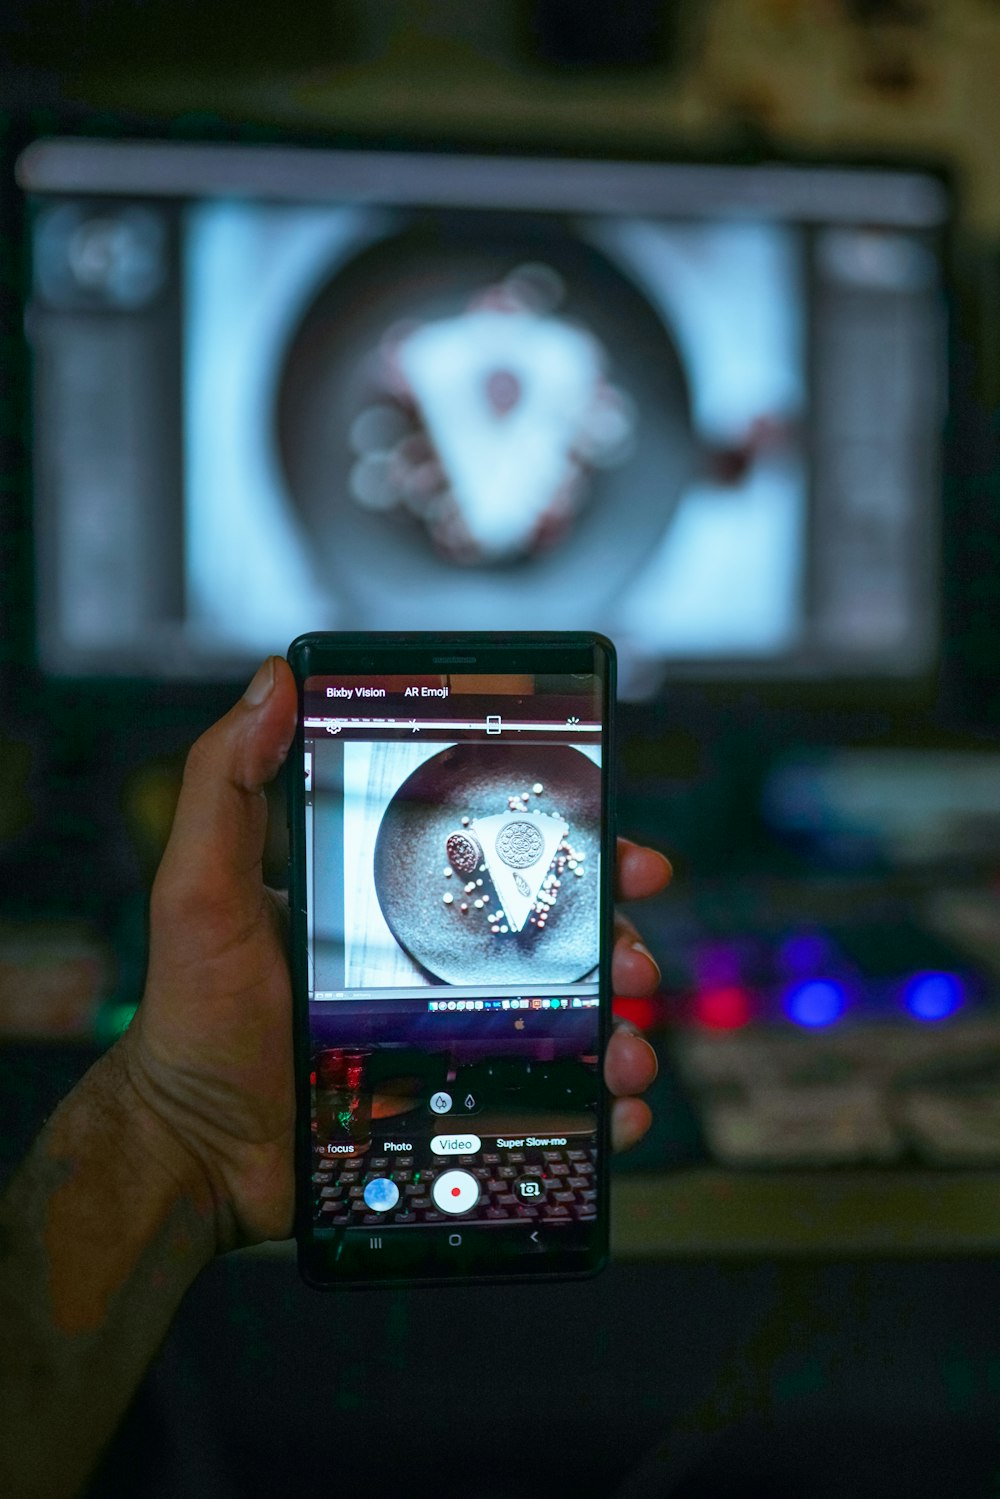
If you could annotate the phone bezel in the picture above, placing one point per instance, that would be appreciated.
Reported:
(325, 653)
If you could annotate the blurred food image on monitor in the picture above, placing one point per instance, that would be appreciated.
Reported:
(276, 389)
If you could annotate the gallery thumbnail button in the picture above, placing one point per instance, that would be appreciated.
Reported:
(455, 1144)
(381, 1195)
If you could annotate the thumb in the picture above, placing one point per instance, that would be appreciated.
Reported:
(212, 862)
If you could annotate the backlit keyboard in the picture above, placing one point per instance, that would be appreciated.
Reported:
(566, 1179)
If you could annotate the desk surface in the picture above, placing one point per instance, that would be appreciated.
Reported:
(707, 1212)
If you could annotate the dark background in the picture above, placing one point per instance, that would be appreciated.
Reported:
(809, 1365)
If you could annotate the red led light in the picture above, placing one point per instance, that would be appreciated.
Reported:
(644, 1014)
(722, 1009)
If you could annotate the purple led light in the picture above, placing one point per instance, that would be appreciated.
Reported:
(804, 952)
(933, 996)
(717, 965)
(816, 1003)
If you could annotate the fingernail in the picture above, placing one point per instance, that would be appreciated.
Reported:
(260, 687)
(643, 950)
(636, 1035)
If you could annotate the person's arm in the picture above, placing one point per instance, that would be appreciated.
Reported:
(178, 1143)
(102, 1230)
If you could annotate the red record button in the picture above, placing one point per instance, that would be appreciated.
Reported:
(455, 1191)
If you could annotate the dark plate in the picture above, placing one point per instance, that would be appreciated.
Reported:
(475, 780)
(383, 567)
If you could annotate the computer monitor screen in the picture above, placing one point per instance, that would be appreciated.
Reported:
(276, 389)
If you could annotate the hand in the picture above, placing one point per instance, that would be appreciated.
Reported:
(209, 1054)
(630, 1062)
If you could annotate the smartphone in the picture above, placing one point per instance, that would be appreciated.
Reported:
(451, 893)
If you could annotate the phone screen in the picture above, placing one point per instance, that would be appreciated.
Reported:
(454, 832)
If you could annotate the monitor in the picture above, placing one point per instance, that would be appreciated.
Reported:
(278, 388)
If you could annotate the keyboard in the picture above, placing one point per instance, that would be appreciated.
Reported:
(565, 1179)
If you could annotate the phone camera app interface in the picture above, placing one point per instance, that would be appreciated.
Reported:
(453, 838)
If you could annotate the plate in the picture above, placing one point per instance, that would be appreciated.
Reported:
(382, 567)
(476, 781)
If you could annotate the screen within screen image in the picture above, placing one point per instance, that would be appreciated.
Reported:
(698, 409)
(453, 851)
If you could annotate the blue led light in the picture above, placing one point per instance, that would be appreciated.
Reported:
(933, 996)
(816, 1003)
